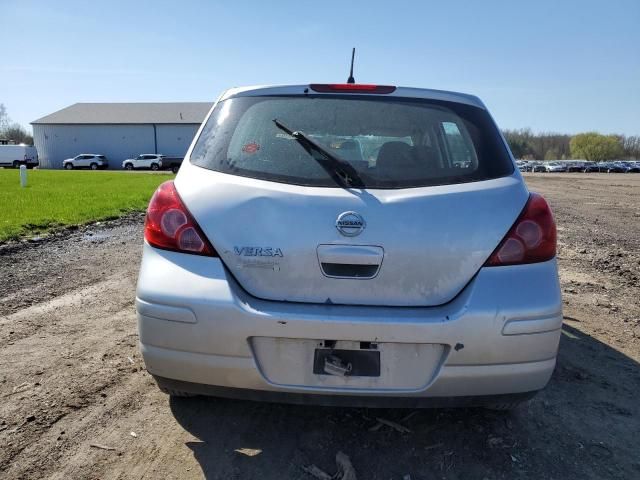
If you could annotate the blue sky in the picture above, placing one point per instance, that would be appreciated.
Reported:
(563, 65)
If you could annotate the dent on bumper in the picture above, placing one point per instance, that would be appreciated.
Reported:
(502, 331)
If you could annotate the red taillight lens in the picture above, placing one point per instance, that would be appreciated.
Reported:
(170, 226)
(351, 87)
(531, 239)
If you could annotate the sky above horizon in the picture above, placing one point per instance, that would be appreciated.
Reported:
(563, 66)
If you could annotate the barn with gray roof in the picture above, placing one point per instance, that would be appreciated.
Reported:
(117, 130)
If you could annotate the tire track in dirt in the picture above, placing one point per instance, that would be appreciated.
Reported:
(68, 353)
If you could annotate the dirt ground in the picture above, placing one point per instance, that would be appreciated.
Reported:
(76, 401)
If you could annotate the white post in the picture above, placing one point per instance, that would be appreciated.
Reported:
(23, 175)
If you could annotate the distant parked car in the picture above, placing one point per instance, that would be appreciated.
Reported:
(86, 160)
(634, 167)
(150, 161)
(172, 163)
(610, 167)
(590, 167)
(538, 167)
(526, 166)
(629, 167)
(554, 167)
(576, 166)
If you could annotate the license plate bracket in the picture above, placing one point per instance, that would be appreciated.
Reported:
(361, 363)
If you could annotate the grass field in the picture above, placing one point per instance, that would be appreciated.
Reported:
(59, 198)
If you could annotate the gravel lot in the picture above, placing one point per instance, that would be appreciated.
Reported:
(77, 402)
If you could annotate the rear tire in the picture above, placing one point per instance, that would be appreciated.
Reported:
(68, 166)
(94, 166)
(175, 169)
(154, 167)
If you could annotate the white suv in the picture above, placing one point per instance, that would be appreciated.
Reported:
(86, 160)
(147, 160)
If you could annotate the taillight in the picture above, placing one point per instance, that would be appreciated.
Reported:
(351, 87)
(170, 226)
(531, 239)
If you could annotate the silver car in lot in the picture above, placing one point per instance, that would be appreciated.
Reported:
(350, 244)
(555, 167)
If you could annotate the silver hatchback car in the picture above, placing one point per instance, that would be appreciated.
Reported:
(350, 244)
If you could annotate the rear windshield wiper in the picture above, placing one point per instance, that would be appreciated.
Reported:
(340, 170)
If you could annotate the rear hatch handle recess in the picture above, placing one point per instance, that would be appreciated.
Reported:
(350, 261)
(341, 171)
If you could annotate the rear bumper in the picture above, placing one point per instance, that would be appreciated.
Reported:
(198, 370)
(499, 336)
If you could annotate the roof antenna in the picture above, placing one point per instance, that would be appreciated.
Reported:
(351, 79)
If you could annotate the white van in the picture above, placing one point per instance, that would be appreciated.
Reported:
(16, 155)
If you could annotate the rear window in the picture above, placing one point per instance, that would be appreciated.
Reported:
(390, 142)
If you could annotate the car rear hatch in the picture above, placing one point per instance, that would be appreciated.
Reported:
(435, 193)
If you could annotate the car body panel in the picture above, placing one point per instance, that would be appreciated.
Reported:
(476, 357)
(440, 237)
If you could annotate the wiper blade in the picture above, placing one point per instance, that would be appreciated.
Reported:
(340, 170)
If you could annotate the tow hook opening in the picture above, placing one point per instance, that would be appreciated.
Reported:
(349, 362)
(334, 365)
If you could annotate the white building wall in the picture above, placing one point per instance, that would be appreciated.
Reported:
(175, 140)
(117, 142)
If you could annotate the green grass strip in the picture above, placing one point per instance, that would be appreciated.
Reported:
(57, 198)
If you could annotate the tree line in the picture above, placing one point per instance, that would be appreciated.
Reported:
(590, 146)
(12, 131)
